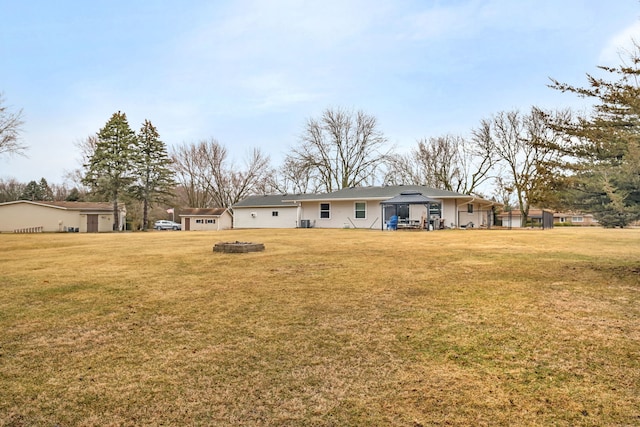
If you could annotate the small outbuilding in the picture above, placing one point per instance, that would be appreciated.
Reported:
(206, 219)
(25, 216)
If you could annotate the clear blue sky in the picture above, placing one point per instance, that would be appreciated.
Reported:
(249, 73)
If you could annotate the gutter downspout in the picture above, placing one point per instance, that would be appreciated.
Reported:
(298, 213)
(473, 199)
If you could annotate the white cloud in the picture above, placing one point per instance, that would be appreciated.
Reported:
(468, 18)
(275, 91)
(620, 45)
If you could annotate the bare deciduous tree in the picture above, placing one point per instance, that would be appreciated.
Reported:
(11, 190)
(293, 177)
(448, 163)
(10, 126)
(85, 147)
(209, 178)
(340, 149)
(190, 164)
(521, 143)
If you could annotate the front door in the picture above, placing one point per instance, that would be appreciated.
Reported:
(92, 223)
(187, 224)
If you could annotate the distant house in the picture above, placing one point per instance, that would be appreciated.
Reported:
(24, 216)
(584, 220)
(203, 219)
(364, 207)
(514, 218)
(269, 211)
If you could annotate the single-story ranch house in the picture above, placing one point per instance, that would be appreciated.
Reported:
(203, 219)
(24, 216)
(269, 211)
(366, 207)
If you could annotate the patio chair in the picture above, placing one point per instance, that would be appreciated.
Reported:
(392, 224)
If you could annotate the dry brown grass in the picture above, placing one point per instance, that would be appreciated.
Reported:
(324, 328)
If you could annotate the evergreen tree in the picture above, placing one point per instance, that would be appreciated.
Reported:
(32, 192)
(74, 195)
(154, 176)
(39, 191)
(46, 193)
(605, 148)
(109, 170)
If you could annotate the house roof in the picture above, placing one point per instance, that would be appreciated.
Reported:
(381, 193)
(264, 201)
(202, 212)
(384, 193)
(76, 206)
(410, 198)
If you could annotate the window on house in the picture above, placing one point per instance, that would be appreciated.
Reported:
(576, 219)
(211, 221)
(325, 210)
(274, 213)
(470, 208)
(361, 210)
(199, 221)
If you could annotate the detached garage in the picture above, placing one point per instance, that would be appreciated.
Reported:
(24, 216)
(203, 219)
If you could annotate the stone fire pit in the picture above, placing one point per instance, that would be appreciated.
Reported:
(238, 247)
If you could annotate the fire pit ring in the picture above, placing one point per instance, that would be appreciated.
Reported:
(238, 247)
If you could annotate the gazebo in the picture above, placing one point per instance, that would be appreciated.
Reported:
(408, 198)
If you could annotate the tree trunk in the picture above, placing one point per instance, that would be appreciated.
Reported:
(116, 214)
(145, 213)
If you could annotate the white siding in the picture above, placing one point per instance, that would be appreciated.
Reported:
(449, 213)
(343, 214)
(21, 216)
(105, 223)
(207, 223)
(479, 217)
(514, 221)
(263, 217)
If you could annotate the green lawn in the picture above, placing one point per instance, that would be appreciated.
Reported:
(323, 328)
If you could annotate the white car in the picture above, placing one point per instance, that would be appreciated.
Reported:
(167, 225)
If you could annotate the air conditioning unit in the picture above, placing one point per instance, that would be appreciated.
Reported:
(305, 223)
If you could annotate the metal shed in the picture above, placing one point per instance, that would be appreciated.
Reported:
(408, 198)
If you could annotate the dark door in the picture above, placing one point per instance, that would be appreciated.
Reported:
(92, 223)
(187, 224)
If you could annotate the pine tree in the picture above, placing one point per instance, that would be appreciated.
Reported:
(154, 177)
(605, 147)
(32, 192)
(109, 171)
(74, 195)
(46, 193)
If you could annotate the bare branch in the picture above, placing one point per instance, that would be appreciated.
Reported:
(10, 128)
